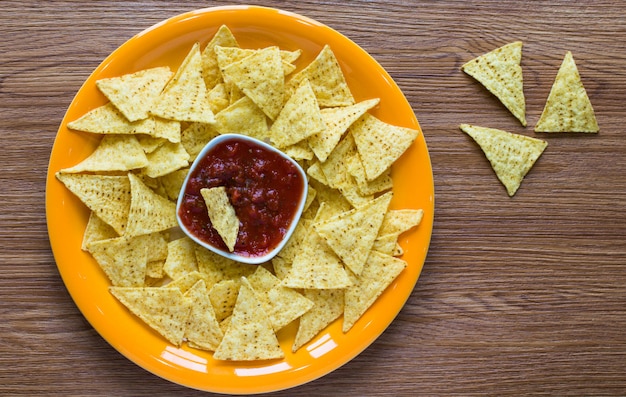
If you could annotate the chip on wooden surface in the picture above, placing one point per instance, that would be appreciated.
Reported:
(108, 196)
(164, 309)
(149, 212)
(501, 73)
(133, 94)
(107, 119)
(123, 260)
(222, 214)
(113, 153)
(568, 108)
(202, 331)
(327, 307)
(511, 155)
(249, 335)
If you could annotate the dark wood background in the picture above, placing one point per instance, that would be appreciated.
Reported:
(522, 295)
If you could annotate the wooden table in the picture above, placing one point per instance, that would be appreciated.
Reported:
(522, 295)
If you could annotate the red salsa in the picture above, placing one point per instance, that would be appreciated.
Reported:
(264, 188)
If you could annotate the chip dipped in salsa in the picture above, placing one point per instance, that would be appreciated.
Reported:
(265, 188)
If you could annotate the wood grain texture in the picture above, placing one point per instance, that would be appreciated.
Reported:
(522, 295)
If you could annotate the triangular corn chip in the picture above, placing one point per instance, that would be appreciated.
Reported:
(511, 155)
(299, 118)
(107, 119)
(168, 158)
(222, 214)
(380, 144)
(327, 79)
(337, 121)
(167, 129)
(249, 335)
(149, 143)
(501, 73)
(327, 307)
(114, 153)
(400, 221)
(181, 258)
(242, 117)
(202, 330)
(210, 69)
(185, 97)
(227, 55)
(196, 136)
(260, 77)
(352, 233)
(223, 296)
(108, 196)
(568, 108)
(149, 212)
(122, 259)
(219, 98)
(379, 271)
(217, 267)
(173, 182)
(96, 230)
(379, 184)
(164, 309)
(133, 94)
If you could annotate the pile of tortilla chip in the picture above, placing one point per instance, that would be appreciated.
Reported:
(567, 109)
(344, 252)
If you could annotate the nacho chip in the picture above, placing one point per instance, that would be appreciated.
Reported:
(108, 196)
(222, 214)
(168, 158)
(196, 136)
(380, 144)
(149, 143)
(223, 296)
(249, 335)
(181, 258)
(185, 282)
(122, 259)
(327, 80)
(163, 309)
(202, 330)
(219, 98)
(106, 119)
(96, 230)
(327, 307)
(242, 117)
(299, 151)
(366, 187)
(511, 155)
(568, 108)
(337, 121)
(379, 271)
(166, 129)
(260, 77)
(173, 182)
(217, 267)
(386, 244)
(351, 234)
(210, 69)
(133, 94)
(500, 72)
(148, 212)
(400, 221)
(154, 271)
(185, 97)
(298, 119)
(114, 153)
(228, 55)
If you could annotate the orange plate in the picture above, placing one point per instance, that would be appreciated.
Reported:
(166, 44)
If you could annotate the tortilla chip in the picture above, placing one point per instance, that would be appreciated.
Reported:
(210, 69)
(501, 73)
(242, 117)
(196, 136)
(149, 143)
(366, 187)
(351, 234)
(335, 168)
(166, 129)
(108, 196)
(327, 80)
(222, 214)
(386, 244)
(568, 108)
(400, 221)
(298, 119)
(168, 158)
(148, 212)
(173, 182)
(327, 307)
(114, 153)
(249, 335)
(185, 97)
(378, 273)
(223, 296)
(154, 271)
(133, 94)
(217, 267)
(219, 98)
(511, 155)
(181, 258)
(202, 329)
(122, 259)
(380, 144)
(96, 230)
(185, 282)
(260, 77)
(315, 172)
(107, 119)
(299, 151)
(163, 309)
(337, 121)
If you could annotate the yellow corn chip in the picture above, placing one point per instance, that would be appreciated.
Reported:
(299, 151)
(380, 144)
(188, 280)
(335, 168)
(166, 129)
(351, 234)
(173, 182)
(181, 258)
(223, 296)
(222, 214)
(337, 121)
(500, 72)
(219, 98)
(196, 136)
(210, 69)
(106, 119)
(168, 158)
(202, 330)
(511, 155)
(133, 94)
(242, 117)
(357, 170)
(386, 244)
(379, 271)
(298, 119)
(327, 80)
(96, 230)
(122, 259)
(149, 143)
(114, 153)
(315, 171)
(249, 335)
(327, 307)
(148, 212)
(399, 221)
(568, 108)
(163, 309)
(185, 97)
(108, 196)
(260, 77)
(227, 55)
(217, 267)
(154, 271)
